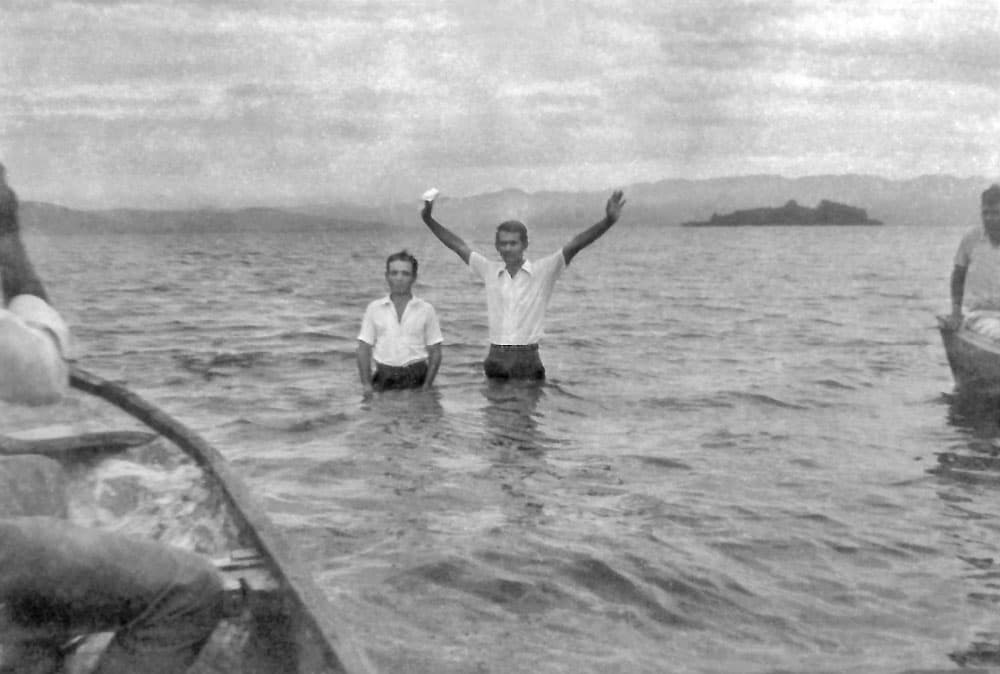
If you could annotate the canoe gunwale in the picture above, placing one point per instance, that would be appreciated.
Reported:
(340, 650)
(974, 360)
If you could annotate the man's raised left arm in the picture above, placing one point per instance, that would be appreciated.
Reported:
(612, 212)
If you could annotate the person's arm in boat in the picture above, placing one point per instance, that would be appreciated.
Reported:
(365, 366)
(445, 235)
(957, 295)
(612, 212)
(433, 364)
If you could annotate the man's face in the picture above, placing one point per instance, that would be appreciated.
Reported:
(991, 220)
(510, 247)
(400, 276)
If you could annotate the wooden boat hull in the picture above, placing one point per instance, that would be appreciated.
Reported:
(278, 620)
(974, 361)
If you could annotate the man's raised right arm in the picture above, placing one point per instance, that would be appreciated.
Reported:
(445, 235)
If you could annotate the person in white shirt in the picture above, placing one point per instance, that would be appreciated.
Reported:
(518, 290)
(975, 278)
(399, 333)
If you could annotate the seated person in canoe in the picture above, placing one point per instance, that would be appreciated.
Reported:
(58, 579)
(975, 279)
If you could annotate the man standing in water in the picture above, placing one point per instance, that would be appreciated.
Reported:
(58, 579)
(518, 290)
(975, 279)
(400, 333)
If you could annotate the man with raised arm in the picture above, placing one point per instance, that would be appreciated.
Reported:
(57, 579)
(518, 290)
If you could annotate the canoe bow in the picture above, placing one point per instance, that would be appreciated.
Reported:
(343, 651)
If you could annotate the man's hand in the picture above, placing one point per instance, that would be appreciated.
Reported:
(451, 240)
(588, 236)
(614, 208)
(952, 321)
(429, 197)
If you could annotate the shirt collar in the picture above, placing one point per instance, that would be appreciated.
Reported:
(526, 266)
(388, 299)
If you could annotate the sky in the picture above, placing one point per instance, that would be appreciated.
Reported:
(230, 103)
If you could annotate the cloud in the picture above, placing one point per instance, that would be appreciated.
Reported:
(308, 97)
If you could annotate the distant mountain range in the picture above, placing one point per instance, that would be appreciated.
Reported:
(938, 200)
(49, 217)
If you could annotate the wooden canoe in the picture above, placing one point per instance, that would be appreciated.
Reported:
(278, 619)
(974, 360)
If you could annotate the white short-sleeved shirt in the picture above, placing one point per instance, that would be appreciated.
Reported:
(982, 280)
(34, 343)
(516, 306)
(398, 342)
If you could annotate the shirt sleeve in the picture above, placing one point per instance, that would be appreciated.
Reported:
(551, 266)
(39, 313)
(478, 264)
(964, 254)
(367, 334)
(432, 330)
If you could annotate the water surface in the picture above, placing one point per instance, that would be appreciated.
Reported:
(746, 457)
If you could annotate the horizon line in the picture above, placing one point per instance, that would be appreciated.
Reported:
(313, 203)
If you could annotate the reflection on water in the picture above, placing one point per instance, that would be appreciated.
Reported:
(976, 413)
(978, 419)
(414, 404)
(509, 415)
(970, 475)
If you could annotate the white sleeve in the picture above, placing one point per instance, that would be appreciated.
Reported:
(551, 266)
(432, 330)
(367, 334)
(478, 264)
(36, 311)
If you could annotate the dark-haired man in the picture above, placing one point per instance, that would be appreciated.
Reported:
(58, 579)
(975, 279)
(518, 290)
(400, 333)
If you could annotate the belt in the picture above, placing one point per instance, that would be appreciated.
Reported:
(514, 347)
(400, 367)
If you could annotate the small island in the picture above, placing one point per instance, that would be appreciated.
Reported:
(826, 213)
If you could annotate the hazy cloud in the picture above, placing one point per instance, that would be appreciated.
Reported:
(240, 101)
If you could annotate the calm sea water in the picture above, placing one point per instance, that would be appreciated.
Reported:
(746, 458)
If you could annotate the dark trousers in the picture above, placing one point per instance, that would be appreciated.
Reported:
(387, 377)
(58, 579)
(513, 361)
